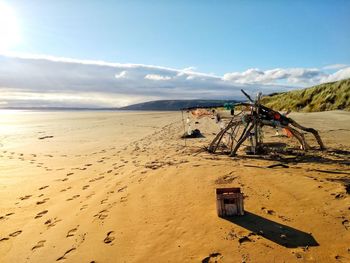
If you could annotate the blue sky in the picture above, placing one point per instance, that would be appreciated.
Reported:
(213, 36)
(296, 43)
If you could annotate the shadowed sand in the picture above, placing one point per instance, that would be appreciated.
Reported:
(122, 187)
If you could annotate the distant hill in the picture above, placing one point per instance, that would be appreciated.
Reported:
(323, 97)
(171, 105)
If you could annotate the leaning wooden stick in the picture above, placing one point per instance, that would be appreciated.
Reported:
(300, 137)
(311, 130)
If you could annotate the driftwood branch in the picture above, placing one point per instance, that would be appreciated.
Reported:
(253, 121)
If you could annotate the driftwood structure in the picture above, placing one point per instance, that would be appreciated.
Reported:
(229, 202)
(242, 127)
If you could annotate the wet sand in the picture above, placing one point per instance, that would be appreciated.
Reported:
(123, 187)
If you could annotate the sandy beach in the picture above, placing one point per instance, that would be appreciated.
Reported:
(123, 187)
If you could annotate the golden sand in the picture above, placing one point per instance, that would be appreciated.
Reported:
(122, 187)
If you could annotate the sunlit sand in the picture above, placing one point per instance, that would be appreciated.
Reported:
(123, 187)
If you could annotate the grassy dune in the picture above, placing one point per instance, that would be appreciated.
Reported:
(324, 97)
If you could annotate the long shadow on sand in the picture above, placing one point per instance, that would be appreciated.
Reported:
(312, 156)
(281, 234)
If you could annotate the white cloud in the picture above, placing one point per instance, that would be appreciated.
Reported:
(46, 80)
(289, 76)
(189, 69)
(37, 80)
(336, 66)
(157, 77)
(11, 54)
(121, 75)
(338, 75)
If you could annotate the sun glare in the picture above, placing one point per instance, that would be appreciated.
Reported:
(9, 28)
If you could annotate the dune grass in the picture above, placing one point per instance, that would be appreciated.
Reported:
(324, 97)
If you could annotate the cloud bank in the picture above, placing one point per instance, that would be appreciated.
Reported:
(42, 81)
(290, 76)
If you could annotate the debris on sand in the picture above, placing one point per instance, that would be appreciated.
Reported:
(278, 165)
(229, 202)
(247, 126)
(194, 134)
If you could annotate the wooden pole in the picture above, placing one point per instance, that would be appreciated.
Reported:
(242, 139)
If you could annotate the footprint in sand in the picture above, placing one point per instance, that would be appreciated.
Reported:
(40, 214)
(124, 199)
(298, 253)
(83, 207)
(102, 214)
(90, 195)
(65, 254)
(65, 189)
(52, 222)
(5, 216)
(109, 238)
(16, 233)
(71, 232)
(96, 179)
(73, 197)
(4, 239)
(42, 201)
(43, 187)
(213, 257)
(346, 224)
(69, 174)
(340, 258)
(25, 197)
(104, 201)
(140, 180)
(86, 187)
(268, 211)
(122, 189)
(39, 244)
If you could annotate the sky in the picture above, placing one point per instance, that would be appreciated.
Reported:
(114, 53)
